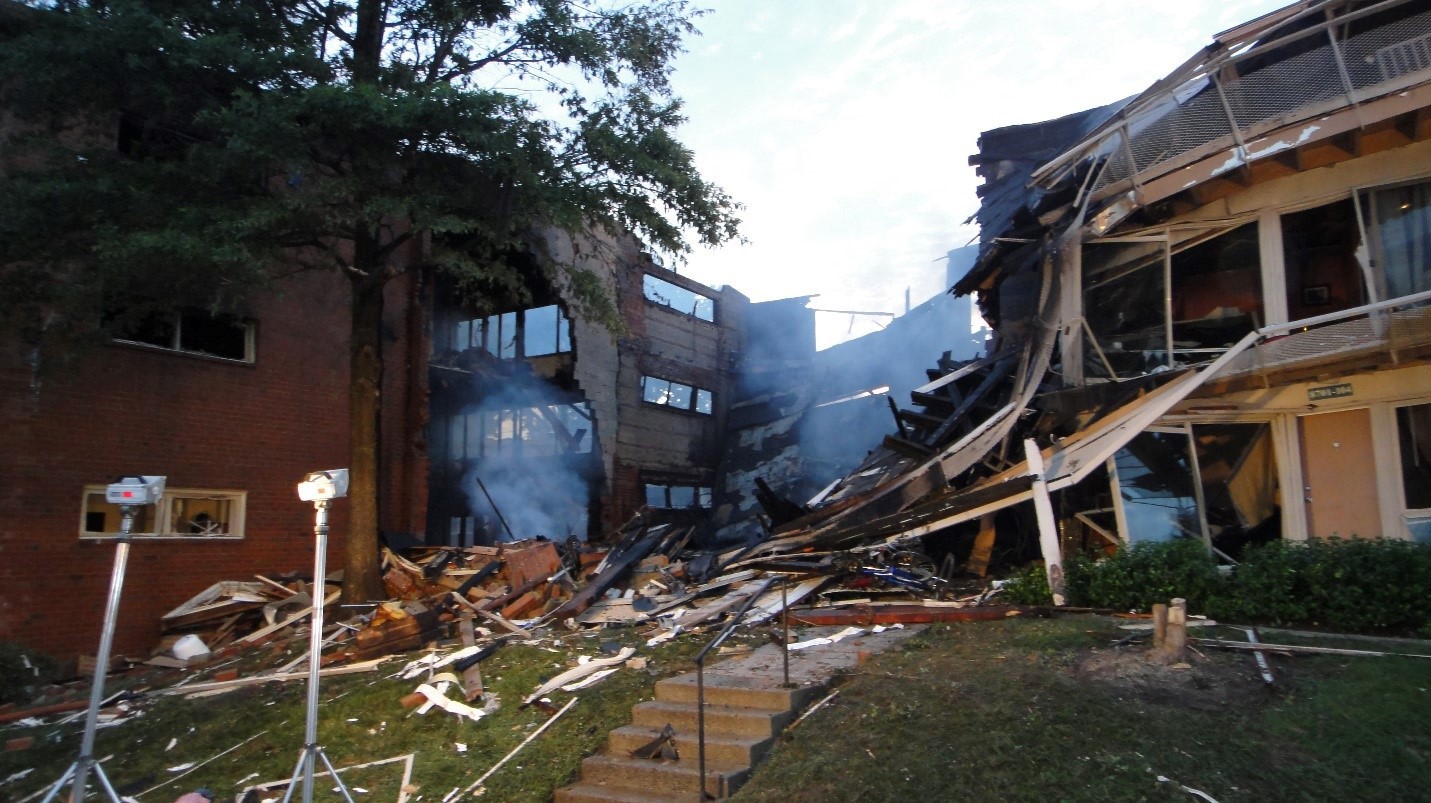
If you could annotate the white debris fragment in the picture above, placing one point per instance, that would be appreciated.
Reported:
(591, 680)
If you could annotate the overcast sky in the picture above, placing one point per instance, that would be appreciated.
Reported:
(845, 126)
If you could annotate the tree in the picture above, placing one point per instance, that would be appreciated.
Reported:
(183, 152)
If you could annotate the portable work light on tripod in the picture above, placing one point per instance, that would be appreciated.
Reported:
(130, 494)
(320, 488)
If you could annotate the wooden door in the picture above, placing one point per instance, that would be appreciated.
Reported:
(1339, 469)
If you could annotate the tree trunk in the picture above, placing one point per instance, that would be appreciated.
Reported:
(362, 580)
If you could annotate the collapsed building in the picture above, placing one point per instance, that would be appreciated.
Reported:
(1208, 304)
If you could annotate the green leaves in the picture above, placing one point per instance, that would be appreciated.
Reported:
(208, 144)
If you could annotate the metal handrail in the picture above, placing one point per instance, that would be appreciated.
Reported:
(715, 643)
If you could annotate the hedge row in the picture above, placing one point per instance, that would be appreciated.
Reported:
(1351, 585)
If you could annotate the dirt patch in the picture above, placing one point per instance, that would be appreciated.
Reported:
(1206, 682)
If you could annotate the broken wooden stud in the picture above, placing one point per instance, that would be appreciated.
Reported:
(1047, 525)
(1176, 641)
(1160, 625)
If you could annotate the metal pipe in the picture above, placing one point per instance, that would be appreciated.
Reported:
(701, 676)
(101, 666)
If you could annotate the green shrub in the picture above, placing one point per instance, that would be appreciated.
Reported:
(1352, 585)
(1136, 578)
(1028, 587)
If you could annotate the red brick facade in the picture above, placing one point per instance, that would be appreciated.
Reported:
(206, 424)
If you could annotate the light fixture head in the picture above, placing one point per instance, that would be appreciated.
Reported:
(318, 486)
(135, 490)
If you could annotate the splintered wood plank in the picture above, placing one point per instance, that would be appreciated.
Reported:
(983, 546)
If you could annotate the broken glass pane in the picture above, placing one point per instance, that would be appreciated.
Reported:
(1155, 483)
(703, 402)
(1124, 306)
(678, 298)
(1239, 481)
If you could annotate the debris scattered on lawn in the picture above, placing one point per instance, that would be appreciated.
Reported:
(1188, 789)
(476, 785)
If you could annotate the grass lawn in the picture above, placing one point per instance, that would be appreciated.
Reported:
(360, 720)
(1046, 710)
(1032, 709)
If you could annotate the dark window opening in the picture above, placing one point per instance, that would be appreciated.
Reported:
(1217, 291)
(1320, 256)
(1413, 425)
(1239, 483)
(194, 332)
(1124, 307)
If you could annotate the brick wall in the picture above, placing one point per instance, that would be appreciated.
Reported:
(205, 424)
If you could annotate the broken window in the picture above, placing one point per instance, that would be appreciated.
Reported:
(1400, 224)
(1239, 483)
(675, 394)
(1156, 486)
(195, 332)
(535, 332)
(1320, 258)
(678, 298)
(678, 497)
(182, 513)
(1125, 307)
(538, 431)
(1217, 293)
(1413, 428)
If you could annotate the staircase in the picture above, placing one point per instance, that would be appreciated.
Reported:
(745, 712)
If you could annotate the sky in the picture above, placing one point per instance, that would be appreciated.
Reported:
(845, 126)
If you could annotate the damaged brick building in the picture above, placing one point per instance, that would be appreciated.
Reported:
(1208, 304)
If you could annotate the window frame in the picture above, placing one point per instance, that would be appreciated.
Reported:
(1405, 514)
(250, 340)
(699, 493)
(656, 299)
(162, 523)
(695, 396)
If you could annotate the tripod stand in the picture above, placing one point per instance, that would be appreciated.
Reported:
(311, 749)
(82, 766)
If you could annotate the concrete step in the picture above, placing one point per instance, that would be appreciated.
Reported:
(720, 748)
(661, 777)
(737, 691)
(720, 719)
(602, 793)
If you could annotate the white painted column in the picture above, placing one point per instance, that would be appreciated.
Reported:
(1047, 526)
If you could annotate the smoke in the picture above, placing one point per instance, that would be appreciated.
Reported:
(532, 469)
(532, 498)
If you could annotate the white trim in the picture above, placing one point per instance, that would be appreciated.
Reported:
(1287, 447)
(1271, 252)
(163, 528)
(1400, 511)
(1386, 454)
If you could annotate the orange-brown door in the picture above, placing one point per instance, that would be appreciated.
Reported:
(1340, 473)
